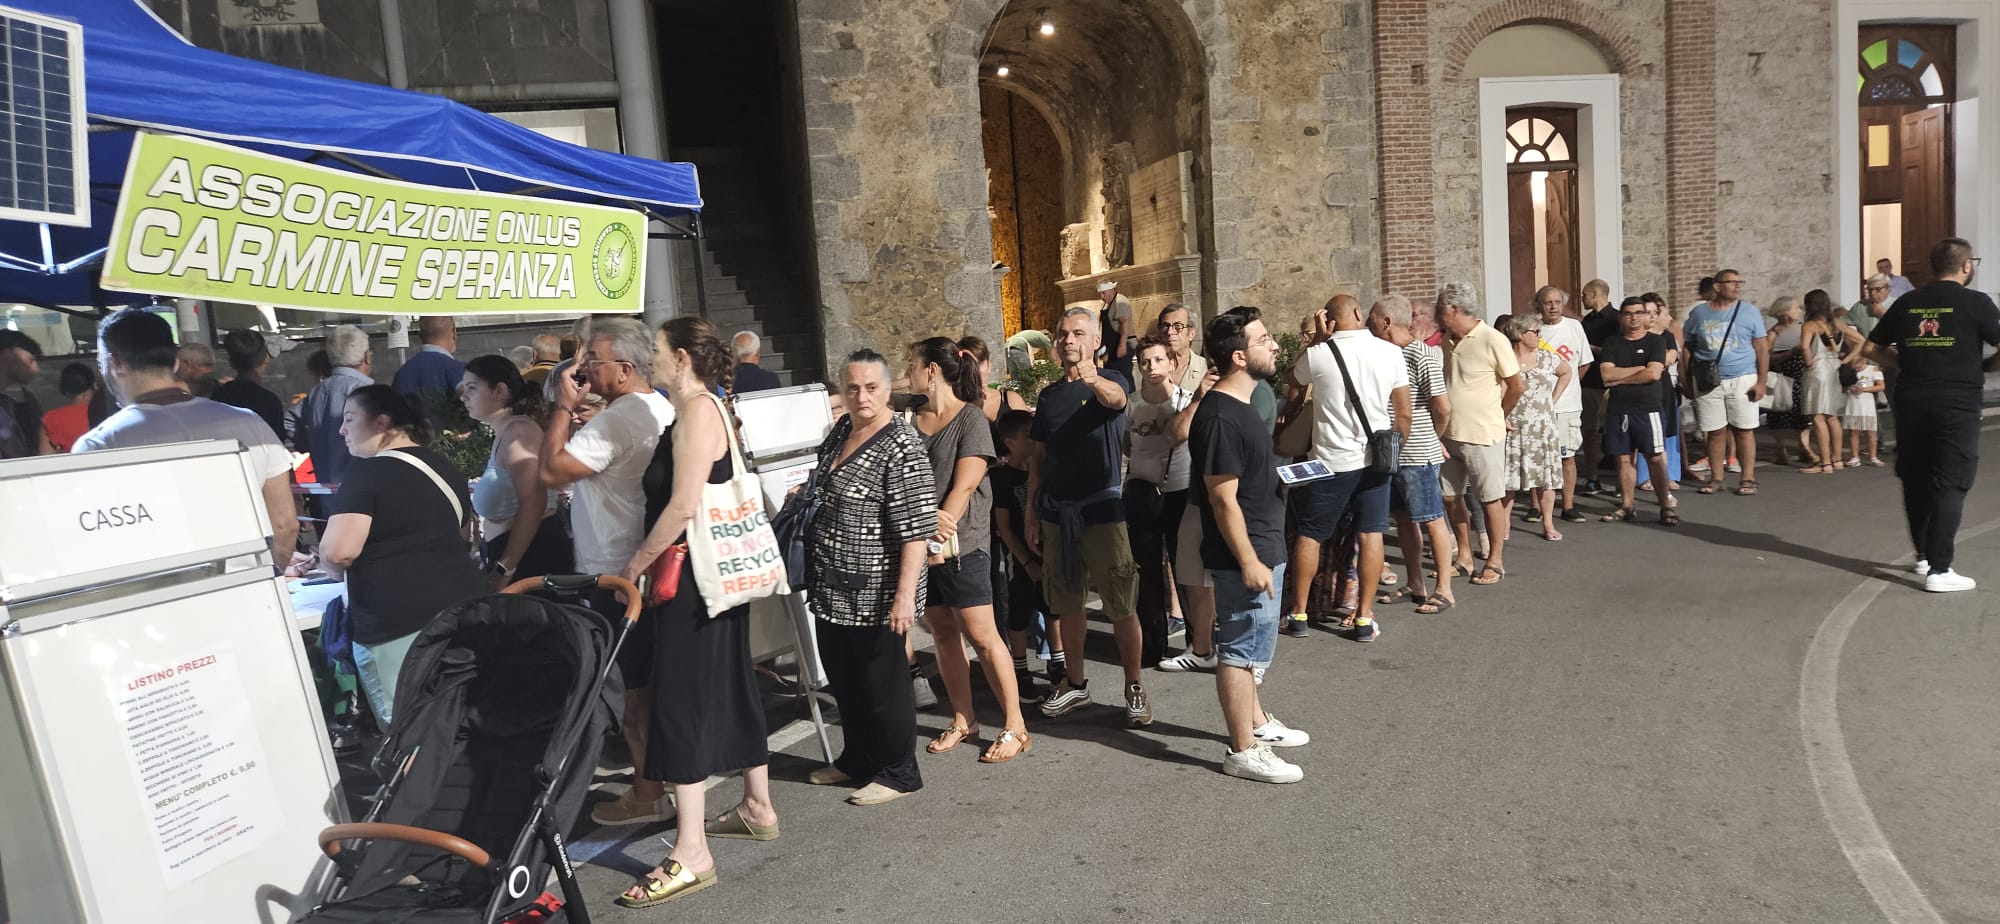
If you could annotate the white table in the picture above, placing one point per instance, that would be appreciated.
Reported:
(309, 601)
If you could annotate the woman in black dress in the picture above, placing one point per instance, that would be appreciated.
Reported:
(708, 714)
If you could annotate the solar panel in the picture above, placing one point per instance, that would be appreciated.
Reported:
(44, 167)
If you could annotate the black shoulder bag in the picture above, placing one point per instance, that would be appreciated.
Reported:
(1385, 447)
(1705, 375)
(794, 519)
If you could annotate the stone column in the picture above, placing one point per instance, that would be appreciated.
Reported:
(1691, 188)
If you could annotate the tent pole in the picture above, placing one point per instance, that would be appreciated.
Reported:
(700, 285)
(397, 67)
(642, 118)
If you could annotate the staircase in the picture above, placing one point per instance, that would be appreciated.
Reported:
(758, 276)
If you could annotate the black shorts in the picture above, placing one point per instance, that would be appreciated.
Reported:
(1024, 600)
(962, 582)
(1645, 434)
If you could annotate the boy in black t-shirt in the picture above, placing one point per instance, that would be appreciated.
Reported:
(1022, 567)
(1635, 408)
(1938, 334)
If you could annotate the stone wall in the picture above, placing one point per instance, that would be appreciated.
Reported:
(1776, 197)
(1297, 181)
(898, 176)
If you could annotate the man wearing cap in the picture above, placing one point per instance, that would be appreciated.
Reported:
(21, 432)
(1115, 320)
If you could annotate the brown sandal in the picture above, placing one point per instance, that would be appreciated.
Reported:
(958, 734)
(1009, 736)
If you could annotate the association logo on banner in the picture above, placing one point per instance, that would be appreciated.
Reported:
(205, 220)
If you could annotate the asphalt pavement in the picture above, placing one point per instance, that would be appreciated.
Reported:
(1749, 718)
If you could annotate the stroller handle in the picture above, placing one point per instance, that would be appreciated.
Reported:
(330, 838)
(576, 583)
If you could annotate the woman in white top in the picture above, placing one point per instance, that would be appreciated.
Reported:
(523, 537)
(1157, 417)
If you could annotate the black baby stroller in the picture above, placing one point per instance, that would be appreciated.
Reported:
(500, 709)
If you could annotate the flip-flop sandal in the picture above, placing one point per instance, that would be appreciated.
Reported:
(958, 734)
(1458, 570)
(1435, 604)
(1008, 737)
(1553, 536)
(1489, 569)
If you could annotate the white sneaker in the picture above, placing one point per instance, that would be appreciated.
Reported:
(1257, 675)
(1260, 764)
(1948, 581)
(1735, 468)
(1923, 566)
(926, 697)
(1189, 661)
(1274, 733)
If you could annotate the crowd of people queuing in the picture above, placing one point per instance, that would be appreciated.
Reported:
(1148, 475)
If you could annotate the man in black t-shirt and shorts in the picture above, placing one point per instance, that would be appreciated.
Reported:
(1635, 410)
(1931, 340)
(1077, 523)
(1242, 511)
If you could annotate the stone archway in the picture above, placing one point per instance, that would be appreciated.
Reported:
(1618, 48)
(1122, 87)
(898, 174)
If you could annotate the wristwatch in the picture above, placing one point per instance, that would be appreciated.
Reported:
(500, 568)
(934, 547)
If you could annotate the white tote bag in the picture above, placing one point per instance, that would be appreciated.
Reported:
(735, 554)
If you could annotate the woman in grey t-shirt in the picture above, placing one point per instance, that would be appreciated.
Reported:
(960, 581)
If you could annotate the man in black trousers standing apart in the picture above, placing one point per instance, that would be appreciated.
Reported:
(1932, 339)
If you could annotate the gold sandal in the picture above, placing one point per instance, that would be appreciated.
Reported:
(1009, 736)
(732, 824)
(679, 882)
(958, 734)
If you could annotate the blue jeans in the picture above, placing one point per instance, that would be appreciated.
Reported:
(1246, 621)
(1418, 490)
(377, 667)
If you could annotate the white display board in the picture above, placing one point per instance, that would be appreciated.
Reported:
(108, 515)
(784, 421)
(165, 728)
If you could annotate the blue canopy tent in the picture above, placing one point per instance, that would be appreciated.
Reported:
(141, 75)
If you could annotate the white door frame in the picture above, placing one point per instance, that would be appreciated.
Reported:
(1600, 251)
(1976, 205)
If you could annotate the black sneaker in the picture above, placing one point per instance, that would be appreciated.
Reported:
(1574, 515)
(1589, 487)
(1295, 626)
(1029, 692)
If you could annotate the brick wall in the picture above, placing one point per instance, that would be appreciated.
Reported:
(1691, 185)
(1403, 107)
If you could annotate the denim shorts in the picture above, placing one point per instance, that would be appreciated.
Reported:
(1418, 490)
(1246, 622)
(1322, 502)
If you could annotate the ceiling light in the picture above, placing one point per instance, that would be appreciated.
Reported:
(1048, 26)
(1002, 71)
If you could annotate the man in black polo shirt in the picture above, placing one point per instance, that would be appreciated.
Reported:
(1600, 326)
(1931, 339)
(1635, 406)
(1078, 518)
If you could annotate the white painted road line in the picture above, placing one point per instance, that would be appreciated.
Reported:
(1846, 808)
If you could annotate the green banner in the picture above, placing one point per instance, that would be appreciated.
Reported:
(204, 220)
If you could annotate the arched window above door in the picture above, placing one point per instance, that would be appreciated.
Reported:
(1904, 68)
(1533, 139)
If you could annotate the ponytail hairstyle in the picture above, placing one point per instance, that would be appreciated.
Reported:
(522, 399)
(401, 410)
(710, 359)
(977, 347)
(956, 363)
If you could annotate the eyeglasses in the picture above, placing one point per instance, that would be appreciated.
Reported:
(1176, 327)
(587, 362)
